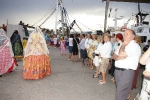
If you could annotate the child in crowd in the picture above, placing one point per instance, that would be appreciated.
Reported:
(24, 42)
(55, 41)
(62, 45)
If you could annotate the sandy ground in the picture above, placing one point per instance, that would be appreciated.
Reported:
(68, 81)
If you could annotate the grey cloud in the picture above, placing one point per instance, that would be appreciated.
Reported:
(32, 10)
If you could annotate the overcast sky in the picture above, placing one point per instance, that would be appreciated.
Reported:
(88, 12)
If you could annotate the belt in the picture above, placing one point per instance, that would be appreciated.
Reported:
(122, 69)
(96, 54)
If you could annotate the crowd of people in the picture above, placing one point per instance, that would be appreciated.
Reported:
(119, 55)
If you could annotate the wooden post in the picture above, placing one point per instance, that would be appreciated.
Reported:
(106, 13)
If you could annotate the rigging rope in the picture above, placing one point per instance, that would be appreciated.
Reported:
(78, 21)
(48, 11)
(48, 16)
(79, 28)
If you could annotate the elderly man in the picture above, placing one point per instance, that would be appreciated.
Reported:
(126, 62)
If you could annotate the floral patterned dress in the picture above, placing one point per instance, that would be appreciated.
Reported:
(92, 48)
(36, 61)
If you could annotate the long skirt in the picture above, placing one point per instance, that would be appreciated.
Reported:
(7, 63)
(36, 67)
(17, 49)
(63, 49)
(90, 53)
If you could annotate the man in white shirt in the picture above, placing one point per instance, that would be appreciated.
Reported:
(126, 62)
(82, 48)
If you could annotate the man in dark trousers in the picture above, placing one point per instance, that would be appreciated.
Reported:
(126, 62)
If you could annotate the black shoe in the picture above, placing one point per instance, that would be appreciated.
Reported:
(0, 75)
(112, 74)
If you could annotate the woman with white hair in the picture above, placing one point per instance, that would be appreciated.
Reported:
(36, 57)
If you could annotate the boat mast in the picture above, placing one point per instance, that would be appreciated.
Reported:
(106, 13)
(57, 5)
(60, 8)
(115, 20)
(62, 17)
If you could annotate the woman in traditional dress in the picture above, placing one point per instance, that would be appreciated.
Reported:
(92, 48)
(16, 44)
(7, 62)
(36, 57)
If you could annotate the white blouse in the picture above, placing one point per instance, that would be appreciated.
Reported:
(87, 43)
(148, 67)
(106, 50)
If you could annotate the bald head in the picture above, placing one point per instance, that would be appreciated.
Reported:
(129, 35)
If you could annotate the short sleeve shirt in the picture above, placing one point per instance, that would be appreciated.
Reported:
(133, 51)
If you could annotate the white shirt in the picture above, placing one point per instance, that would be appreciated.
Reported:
(55, 40)
(82, 44)
(147, 67)
(70, 41)
(133, 51)
(106, 50)
(87, 43)
(98, 49)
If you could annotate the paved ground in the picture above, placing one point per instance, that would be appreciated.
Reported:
(68, 81)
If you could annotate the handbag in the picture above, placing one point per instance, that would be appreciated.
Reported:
(93, 54)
